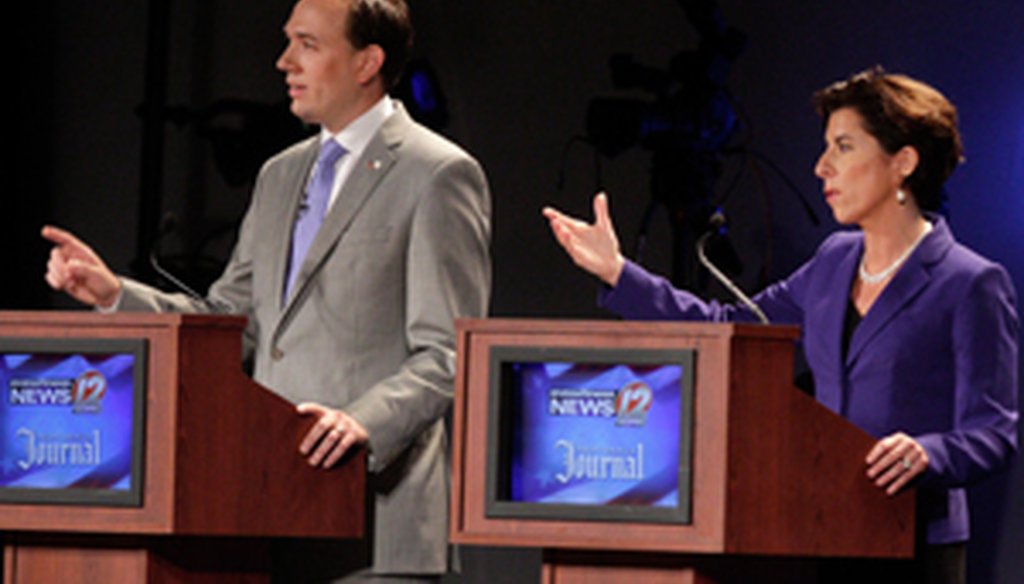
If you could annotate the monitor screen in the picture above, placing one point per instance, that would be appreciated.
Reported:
(72, 421)
(601, 434)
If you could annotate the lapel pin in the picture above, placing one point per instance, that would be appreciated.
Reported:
(375, 164)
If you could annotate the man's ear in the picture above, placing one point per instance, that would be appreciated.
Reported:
(371, 60)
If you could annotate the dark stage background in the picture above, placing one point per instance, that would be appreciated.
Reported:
(517, 78)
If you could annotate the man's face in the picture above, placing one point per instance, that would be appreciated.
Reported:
(322, 69)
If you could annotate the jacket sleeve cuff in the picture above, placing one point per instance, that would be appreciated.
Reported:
(938, 459)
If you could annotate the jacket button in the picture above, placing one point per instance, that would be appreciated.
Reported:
(276, 354)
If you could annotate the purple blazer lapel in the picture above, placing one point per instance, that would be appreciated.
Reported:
(904, 287)
(835, 296)
(908, 282)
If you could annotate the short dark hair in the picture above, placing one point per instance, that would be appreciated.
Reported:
(900, 111)
(385, 23)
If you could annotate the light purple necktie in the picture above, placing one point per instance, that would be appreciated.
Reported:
(312, 209)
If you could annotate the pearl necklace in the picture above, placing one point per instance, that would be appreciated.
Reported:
(868, 278)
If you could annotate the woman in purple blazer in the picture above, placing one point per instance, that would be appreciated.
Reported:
(909, 335)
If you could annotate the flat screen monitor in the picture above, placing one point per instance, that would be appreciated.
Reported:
(590, 434)
(72, 421)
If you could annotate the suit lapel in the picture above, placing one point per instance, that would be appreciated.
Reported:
(293, 185)
(832, 317)
(373, 165)
(904, 287)
(907, 284)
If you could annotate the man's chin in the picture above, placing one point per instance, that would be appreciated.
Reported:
(302, 113)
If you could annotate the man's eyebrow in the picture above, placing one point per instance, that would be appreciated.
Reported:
(299, 34)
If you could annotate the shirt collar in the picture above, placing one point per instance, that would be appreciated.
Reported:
(355, 136)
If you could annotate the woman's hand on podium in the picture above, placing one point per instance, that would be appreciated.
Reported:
(76, 269)
(333, 434)
(896, 460)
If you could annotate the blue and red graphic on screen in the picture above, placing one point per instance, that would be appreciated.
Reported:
(66, 421)
(596, 434)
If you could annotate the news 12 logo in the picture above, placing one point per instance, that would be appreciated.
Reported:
(629, 405)
(84, 393)
(88, 391)
(632, 404)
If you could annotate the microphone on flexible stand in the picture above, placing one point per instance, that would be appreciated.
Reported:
(167, 226)
(717, 220)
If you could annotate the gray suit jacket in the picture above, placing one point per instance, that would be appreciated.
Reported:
(369, 326)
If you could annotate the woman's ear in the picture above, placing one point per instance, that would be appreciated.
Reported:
(906, 160)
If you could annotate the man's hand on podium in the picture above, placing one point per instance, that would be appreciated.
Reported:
(331, 436)
(76, 269)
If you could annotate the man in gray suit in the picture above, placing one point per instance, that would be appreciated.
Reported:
(350, 315)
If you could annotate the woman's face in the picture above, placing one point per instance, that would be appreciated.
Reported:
(860, 178)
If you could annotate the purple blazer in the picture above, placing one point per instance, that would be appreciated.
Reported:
(935, 356)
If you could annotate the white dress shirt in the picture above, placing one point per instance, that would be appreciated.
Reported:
(354, 138)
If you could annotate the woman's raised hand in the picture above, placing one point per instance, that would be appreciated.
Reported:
(593, 247)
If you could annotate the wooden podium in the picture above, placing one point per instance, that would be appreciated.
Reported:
(222, 472)
(777, 479)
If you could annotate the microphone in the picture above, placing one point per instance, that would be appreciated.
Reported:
(167, 226)
(717, 220)
(303, 205)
